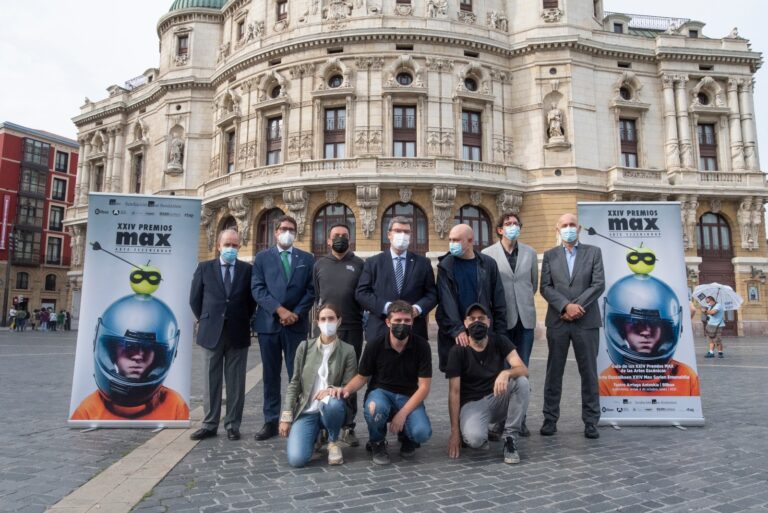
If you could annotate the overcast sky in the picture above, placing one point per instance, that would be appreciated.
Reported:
(54, 53)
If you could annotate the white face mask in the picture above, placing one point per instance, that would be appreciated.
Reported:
(328, 329)
(400, 241)
(286, 239)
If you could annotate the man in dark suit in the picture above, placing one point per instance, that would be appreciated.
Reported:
(397, 274)
(221, 300)
(282, 287)
(572, 279)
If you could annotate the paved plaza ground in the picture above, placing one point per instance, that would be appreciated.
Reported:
(720, 467)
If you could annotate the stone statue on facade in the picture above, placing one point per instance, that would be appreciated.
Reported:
(176, 154)
(555, 122)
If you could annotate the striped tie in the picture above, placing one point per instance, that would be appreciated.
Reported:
(399, 274)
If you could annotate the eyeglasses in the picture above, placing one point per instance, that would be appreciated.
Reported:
(646, 258)
(151, 277)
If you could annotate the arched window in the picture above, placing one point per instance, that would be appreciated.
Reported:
(480, 223)
(50, 282)
(265, 230)
(714, 239)
(229, 223)
(22, 281)
(329, 215)
(419, 228)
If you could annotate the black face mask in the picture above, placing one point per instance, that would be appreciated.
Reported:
(340, 244)
(401, 331)
(478, 330)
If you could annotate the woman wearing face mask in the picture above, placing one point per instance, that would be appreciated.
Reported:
(321, 365)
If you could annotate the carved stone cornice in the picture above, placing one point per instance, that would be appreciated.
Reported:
(368, 202)
(443, 201)
(297, 200)
(207, 221)
(508, 201)
(240, 208)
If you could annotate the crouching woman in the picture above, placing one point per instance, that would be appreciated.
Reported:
(321, 364)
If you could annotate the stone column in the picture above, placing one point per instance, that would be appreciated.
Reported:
(85, 184)
(748, 125)
(107, 180)
(81, 156)
(117, 162)
(683, 124)
(671, 145)
(734, 120)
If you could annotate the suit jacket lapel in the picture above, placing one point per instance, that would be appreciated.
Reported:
(561, 261)
(502, 262)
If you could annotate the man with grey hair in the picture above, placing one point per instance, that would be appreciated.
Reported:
(396, 274)
(221, 300)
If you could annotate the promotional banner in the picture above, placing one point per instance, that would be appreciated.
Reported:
(646, 363)
(134, 343)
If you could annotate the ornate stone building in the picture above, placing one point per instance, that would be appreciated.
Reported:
(442, 110)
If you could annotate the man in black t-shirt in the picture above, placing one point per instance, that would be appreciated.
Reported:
(398, 370)
(482, 390)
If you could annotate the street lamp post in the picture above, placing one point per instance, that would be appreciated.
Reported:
(6, 289)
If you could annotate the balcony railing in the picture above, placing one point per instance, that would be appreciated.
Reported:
(646, 22)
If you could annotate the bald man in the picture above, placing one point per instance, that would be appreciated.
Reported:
(572, 280)
(466, 277)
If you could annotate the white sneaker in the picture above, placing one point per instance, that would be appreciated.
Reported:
(335, 457)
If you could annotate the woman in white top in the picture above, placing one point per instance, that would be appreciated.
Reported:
(321, 365)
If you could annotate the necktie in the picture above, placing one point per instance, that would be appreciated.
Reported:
(399, 274)
(286, 258)
(227, 278)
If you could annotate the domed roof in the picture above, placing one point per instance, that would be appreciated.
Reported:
(178, 5)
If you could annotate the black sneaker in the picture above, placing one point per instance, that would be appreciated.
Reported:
(549, 428)
(407, 447)
(524, 431)
(511, 456)
(379, 455)
(720, 354)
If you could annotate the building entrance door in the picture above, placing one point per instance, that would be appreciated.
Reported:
(715, 248)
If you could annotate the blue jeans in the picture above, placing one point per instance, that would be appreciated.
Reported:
(385, 405)
(523, 340)
(301, 439)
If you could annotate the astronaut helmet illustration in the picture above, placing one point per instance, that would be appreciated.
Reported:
(642, 320)
(135, 344)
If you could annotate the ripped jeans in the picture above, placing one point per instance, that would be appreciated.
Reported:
(385, 405)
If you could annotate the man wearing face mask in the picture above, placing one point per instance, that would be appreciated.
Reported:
(396, 274)
(336, 276)
(488, 384)
(464, 278)
(221, 300)
(398, 370)
(519, 272)
(282, 286)
(572, 279)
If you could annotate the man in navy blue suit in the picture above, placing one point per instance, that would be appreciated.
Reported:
(221, 301)
(282, 286)
(397, 274)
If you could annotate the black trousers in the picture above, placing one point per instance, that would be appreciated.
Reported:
(354, 337)
(585, 346)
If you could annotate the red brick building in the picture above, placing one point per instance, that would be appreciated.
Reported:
(37, 184)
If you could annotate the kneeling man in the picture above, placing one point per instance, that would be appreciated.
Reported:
(482, 390)
(398, 370)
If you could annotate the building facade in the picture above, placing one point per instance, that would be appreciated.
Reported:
(37, 184)
(444, 111)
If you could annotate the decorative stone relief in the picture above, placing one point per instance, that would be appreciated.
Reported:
(710, 86)
(180, 60)
(331, 67)
(475, 198)
(467, 17)
(629, 80)
(302, 70)
(502, 149)
(616, 196)
(744, 218)
(207, 218)
(77, 243)
(437, 8)
(368, 142)
(688, 208)
(508, 201)
(403, 9)
(296, 200)
(280, 26)
(715, 205)
(552, 15)
(214, 169)
(758, 212)
(268, 202)
(555, 130)
(443, 199)
(337, 12)
(268, 81)
(255, 30)
(406, 194)
(440, 143)
(224, 51)
(404, 62)
(497, 20)
(332, 196)
(373, 63)
(368, 202)
(434, 64)
(240, 208)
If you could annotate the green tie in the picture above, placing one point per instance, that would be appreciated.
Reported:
(285, 256)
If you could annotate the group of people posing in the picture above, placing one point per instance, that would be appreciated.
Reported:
(316, 315)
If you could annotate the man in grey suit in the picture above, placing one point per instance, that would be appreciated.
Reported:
(519, 271)
(220, 298)
(572, 279)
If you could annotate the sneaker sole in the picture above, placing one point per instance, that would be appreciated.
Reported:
(511, 462)
(336, 462)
